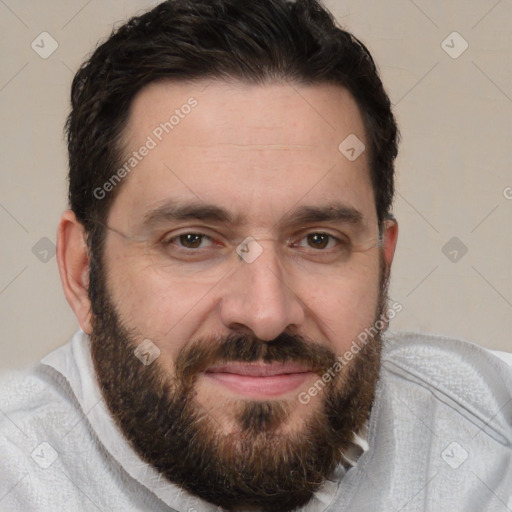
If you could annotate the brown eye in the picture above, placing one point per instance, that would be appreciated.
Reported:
(191, 240)
(318, 240)
(188, 241)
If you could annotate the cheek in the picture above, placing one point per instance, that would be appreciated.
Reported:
(163, 308)
(161, 305)
(344, 305)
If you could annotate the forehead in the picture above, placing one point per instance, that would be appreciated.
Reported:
(251, 149)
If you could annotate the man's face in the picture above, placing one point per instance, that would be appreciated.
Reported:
(241, 335)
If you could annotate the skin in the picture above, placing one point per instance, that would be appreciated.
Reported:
(258, 151)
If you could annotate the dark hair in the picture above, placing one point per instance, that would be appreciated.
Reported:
(253, 41)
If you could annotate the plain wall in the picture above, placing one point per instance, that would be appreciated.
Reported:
(454, 171)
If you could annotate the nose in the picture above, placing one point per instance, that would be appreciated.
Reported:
(256, 297)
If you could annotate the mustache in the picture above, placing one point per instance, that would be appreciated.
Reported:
(197, 356)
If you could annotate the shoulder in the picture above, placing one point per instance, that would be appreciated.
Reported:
(444, 360)
(460, 375)
(36, 409)
(31, 398)
(47, 444)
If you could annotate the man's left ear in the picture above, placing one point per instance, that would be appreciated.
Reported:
(389, 239)
(73, 261)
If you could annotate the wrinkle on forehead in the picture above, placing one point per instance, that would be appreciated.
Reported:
(305, 147)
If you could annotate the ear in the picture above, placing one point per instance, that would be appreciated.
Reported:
(73, 261)
(389, 240)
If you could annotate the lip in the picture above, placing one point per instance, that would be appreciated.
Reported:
(260, 380)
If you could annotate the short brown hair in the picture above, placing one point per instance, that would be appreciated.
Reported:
(257, 42)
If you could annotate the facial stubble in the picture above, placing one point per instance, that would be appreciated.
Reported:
(260, 465)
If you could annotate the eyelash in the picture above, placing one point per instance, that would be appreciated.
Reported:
(171, 241)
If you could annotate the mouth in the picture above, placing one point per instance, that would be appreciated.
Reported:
(258, 379)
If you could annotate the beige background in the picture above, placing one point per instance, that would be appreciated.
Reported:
(454, 169)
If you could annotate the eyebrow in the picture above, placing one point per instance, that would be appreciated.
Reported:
(174, 210)
(179, 211)
(332, 212)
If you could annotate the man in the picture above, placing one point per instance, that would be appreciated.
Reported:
(227, 254)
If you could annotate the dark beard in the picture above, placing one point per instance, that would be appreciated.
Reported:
(258, 466)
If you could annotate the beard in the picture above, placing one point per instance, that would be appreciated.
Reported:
(258, 464)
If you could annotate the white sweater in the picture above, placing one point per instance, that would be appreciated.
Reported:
(440, 438)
